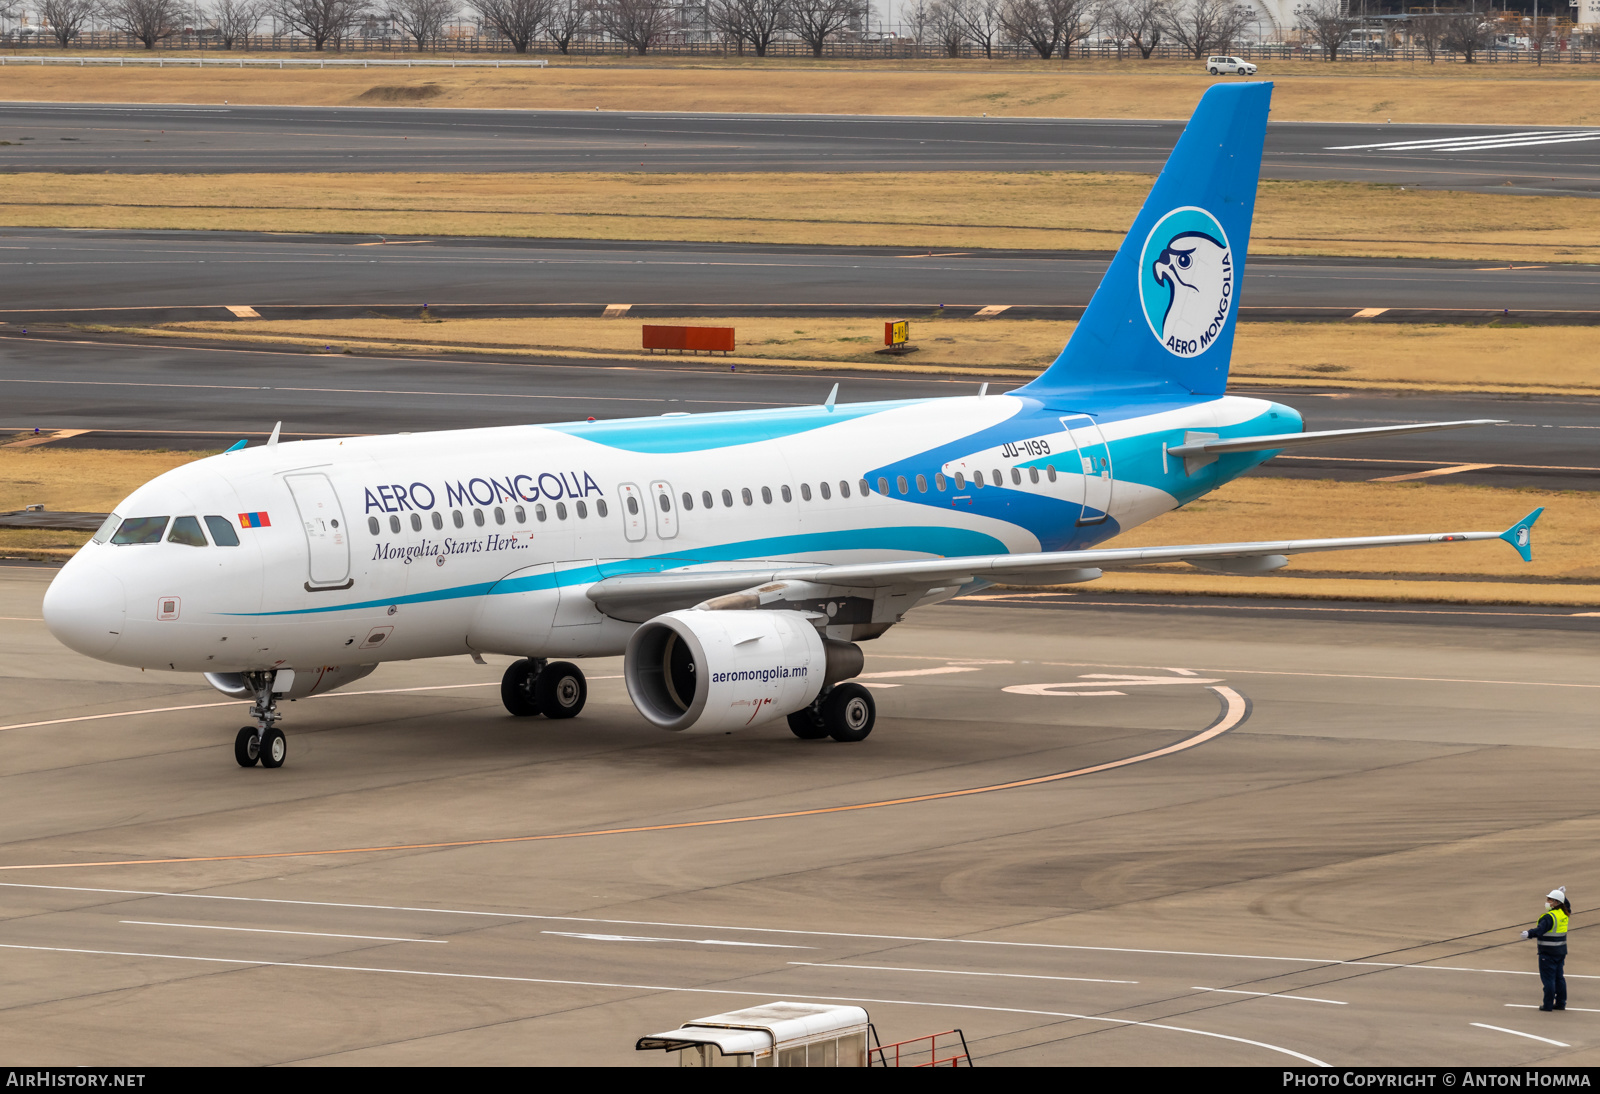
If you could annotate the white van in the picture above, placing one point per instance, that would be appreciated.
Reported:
(1229, 66)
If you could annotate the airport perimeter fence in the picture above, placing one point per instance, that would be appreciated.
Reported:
(40, 46)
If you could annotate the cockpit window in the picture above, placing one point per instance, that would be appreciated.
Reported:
(186, 530)
(222, 533)
(107, 528)
(140, 530)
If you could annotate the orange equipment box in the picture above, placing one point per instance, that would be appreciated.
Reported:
(692, 339)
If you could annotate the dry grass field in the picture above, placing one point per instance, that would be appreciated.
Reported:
(1564, 570)
(1356, 354)
(939, 210)
(1306, 91)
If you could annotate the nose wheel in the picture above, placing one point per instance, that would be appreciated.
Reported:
(264, 742)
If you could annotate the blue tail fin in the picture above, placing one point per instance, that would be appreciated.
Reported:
(1164, 313)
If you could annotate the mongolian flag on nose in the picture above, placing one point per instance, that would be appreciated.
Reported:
(254, 520)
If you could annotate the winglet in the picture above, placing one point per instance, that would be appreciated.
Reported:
(235, 446)
(1520, 534)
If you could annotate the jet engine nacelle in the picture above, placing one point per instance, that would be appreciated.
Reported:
(710, 671)
(291, 683)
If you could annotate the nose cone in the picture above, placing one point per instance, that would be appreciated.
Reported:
(85, 607)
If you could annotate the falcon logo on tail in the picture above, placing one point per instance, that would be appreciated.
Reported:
(1186, 281)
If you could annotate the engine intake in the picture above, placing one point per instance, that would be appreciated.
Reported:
(711, 671)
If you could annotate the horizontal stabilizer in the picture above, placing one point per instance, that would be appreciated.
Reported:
(1200, 449)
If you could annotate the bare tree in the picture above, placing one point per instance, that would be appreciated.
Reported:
(150, 21)
(566, 21)
(980, 19)
(322, 21)
(915, 16)
(236, 20)
(1138, 21)
(1425, 32)
(1047, 25)
(1206, 26)
(1466, 32)
(1327, 24)
(422, 21)
(753, 22)
(946, 28)
(815, 21)
(639, 24)
(517, 21)
(67, 17)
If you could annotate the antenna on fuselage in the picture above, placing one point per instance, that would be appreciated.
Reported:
(272, 440)
(832, 395)
(983, 389)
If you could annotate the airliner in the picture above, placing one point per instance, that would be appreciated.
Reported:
(737, 561)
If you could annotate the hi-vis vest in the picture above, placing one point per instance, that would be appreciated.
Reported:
(1557, 935)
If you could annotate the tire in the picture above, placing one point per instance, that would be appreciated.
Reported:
(516, 688)
(806, 724)
(273, 748)
(1212, 71)
(246, 748)
(560, 691)
(849, 712)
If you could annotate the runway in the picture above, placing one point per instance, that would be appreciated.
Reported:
(104, 276)
(1244, 900)
(202, 397)
(218, 138)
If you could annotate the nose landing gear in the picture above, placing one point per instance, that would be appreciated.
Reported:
(263, 742)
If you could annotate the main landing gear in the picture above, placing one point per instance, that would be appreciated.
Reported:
(844, 712)
(263, 742)
(532, 686)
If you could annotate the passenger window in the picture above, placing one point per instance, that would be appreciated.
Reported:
(727, 499)
(665, 502)
(787, 496)
(394, 525)
(477, 517)
(705, 499)
(633, 506)
(1050, 471)
(938, 481)
(140, 530)
(883, 486)
(186, 530)
(1016, 477)
(438, 520)
(416, 522)
(805, 491)
(865, 489)
(688, 500)
(961, 481)
(977, 479)
(745, 494)
(826, 493)
(844, 489)
(1033, 474)
(561, 510)
(499, 515)
(455, 515)
(999, 479)
(922, 484)
(522, 515)
(373, 526)
(600, 506)
(900, 484)
(583, 510)
(766, 495)
(538, 513)
(222, 533)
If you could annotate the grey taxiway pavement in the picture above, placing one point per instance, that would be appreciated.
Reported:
(1310, 838)
(141, 395)
(133, 137)
(84, 275)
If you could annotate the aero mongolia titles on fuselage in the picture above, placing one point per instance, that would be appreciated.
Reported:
(735, 560)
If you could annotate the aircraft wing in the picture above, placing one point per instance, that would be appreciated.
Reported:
(631, 596)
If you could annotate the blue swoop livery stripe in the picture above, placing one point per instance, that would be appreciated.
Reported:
(936, 542)
(659, 436)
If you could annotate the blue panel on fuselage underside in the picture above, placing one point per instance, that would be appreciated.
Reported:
(722, 429)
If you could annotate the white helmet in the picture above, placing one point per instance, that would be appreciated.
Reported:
(1559, 895)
